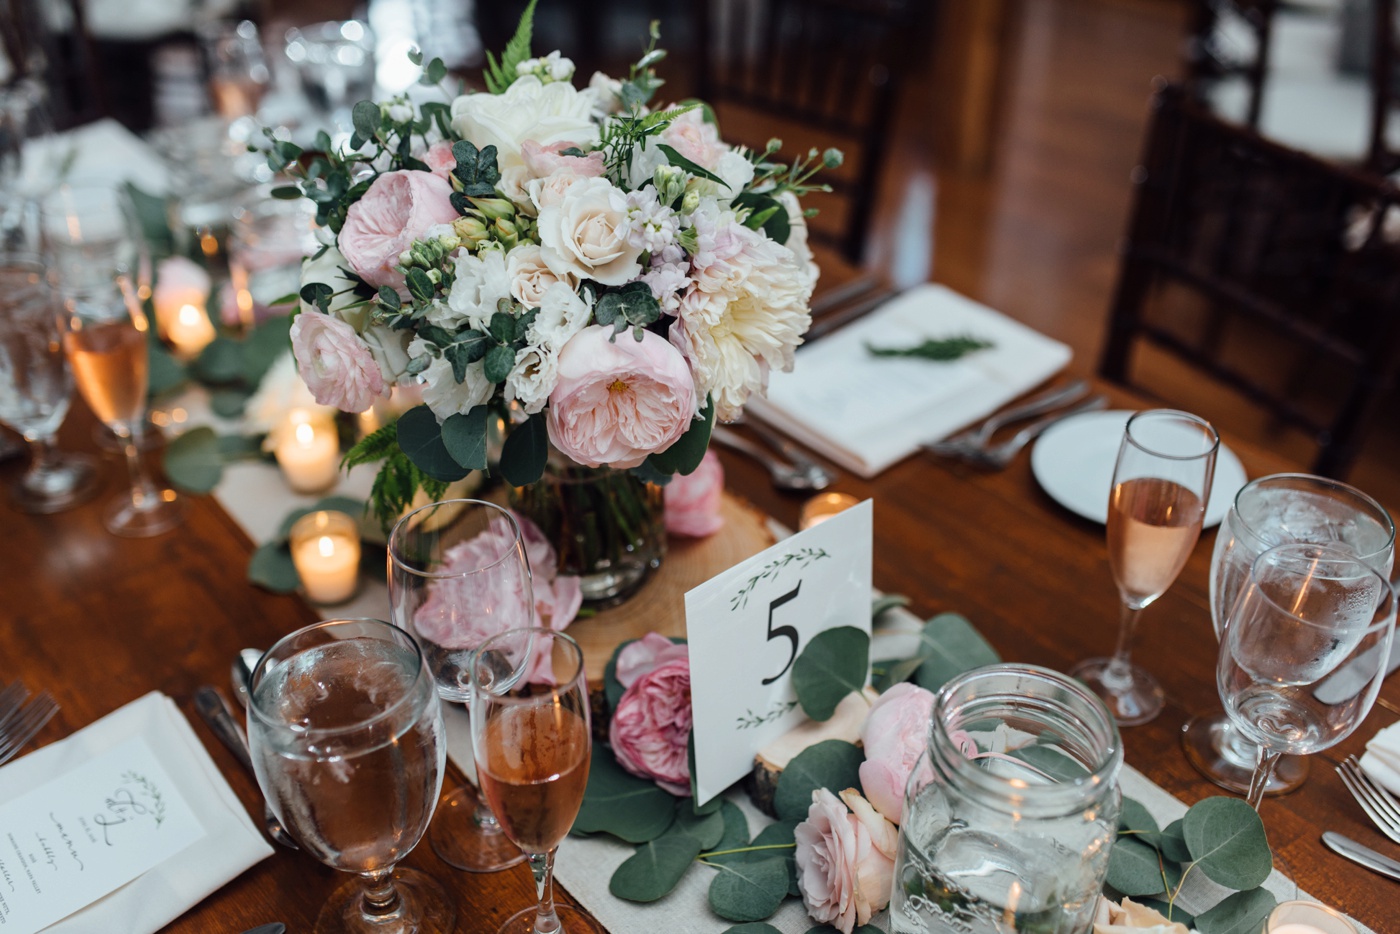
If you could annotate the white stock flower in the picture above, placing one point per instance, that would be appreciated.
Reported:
(606, 94)
(441, 391)
(653, 225)
(481, 281)
(668, 281)
(586, 234)
(533, 378)
(562, 314)
(530, 277)
(529, 109)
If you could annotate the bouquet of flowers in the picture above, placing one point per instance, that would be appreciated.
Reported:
(607, 277)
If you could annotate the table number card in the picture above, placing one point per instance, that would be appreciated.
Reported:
(747, 626)
(73, 840)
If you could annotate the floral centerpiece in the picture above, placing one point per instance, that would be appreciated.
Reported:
(602, 278)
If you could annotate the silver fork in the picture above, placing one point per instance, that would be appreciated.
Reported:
(999, 456)
(20, 728)
(976, 439)
(1380, 805)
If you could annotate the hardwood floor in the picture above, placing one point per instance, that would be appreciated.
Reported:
(1034, 235)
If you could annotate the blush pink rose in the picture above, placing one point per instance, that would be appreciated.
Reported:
(693, 500)
(642, 656)
(548, 160)
(650, 729)
(695, 139)
(895, 734)
(618, 401)
(439, 159)
(845, 860)
(335, 364)
(398, 209)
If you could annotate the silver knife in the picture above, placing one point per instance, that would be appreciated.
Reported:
(1364, 856)
(276, 927)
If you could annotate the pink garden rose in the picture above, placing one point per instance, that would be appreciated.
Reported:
(618, 401)
(895, 734)
(845, 860)
(398, 209)
(693, 500)
(695, 139)
(549, 160)
(642, 656)
(439, 158)
(650, 729)
(335, 364)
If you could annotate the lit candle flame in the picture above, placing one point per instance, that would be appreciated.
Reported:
(305, 435)
(326, 546)
(190, 315)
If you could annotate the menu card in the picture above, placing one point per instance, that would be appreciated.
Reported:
(71, 841)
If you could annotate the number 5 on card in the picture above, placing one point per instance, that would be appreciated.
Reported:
(746, 627)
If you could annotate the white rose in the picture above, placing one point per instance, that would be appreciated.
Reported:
(736, 171)
(481, 281)
(530, 278)
(549, 190)
(605, 92)
(390, 350)
(532, 380)
(586, 234)
(645, 160)
(529, 109)
(441, 391)
(562, 314)
(326, 269)
(281, 390)
(797, 238)
(513, 184)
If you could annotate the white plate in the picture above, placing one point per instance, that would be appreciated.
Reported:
(1073, 462)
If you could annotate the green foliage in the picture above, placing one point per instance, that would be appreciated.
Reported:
(464, 437)
(525, 451)
(891, 671)
(193, 461)
(832, 764)
(1134, 868)
(476, 169)
(884, 603)
(685, 455)
(753, 927)
(165, 372)
(619, 803)
(766, 213)
(706, 828)
(749, 891)
(653, 871)
(420, 438)
(1240, 913)
(939, 350)
(1227, 840)
(501, 75)
(631, 305)
(271, 568)
(950, 645)
(833, 663)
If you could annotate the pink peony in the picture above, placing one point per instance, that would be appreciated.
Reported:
(695, 139)
(693, 500)
(335, 364)
(440, 160)
(548, 160)
(642, 656)
(895, 734)
(398, 209)
(651, 728)
(845, 860)
(618, 401)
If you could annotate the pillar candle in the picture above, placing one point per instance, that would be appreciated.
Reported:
(325, 548)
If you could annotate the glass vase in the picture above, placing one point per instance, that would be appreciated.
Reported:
(607, 527)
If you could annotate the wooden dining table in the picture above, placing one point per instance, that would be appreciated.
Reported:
(99, 621)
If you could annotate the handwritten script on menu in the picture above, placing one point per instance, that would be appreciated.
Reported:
(73, 840)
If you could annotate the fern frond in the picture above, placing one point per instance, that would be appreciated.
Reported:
(501, 75)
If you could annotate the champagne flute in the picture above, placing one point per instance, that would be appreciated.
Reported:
(458, 574)
(88, 231)
(532, 740)
(347, 739)
(1161, 483)
(1266, 512)
(35, 389)
(1303, 652)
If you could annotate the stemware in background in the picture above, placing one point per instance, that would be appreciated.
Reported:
(88, 231)
(334, 63)
(458, 574)
(236, 68)
(1304, 651)
(532, 740)
(1156, 505)
(347, 739)
(1271, 511)
(36, 387)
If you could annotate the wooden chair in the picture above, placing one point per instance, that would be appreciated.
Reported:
(1266, 268)
(1382, 157)
(1208, 61)
(814, 72)
(60, 57)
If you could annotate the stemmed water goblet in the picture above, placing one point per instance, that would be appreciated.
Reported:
(1271, 511)
(1156, 505)
(346, 736)
(35, 389)
(458, 574)
(532, 741)
(1303, 651)
(88, 231)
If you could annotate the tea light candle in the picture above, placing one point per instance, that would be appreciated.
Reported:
(189, 330)
(308, 451)
(326, 551)
(820, 508)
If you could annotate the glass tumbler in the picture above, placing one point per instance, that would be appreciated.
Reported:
(1010, 814)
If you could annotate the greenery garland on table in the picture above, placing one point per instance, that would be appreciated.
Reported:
(1220, 837)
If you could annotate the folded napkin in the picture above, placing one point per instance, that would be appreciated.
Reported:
(100, 151)
(1381, 761)
(866, 412)
(230, 845)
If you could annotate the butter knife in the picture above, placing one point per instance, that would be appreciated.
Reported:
(276, 927)
(1363, 856)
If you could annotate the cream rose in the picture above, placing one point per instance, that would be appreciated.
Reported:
(546, 113)
(530, 277)
(586, 234)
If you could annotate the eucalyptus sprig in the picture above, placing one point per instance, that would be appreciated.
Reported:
(937, 349)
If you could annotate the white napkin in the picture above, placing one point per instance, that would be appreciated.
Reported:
(157, 897)
(1381, 761)
(866, 412)
(104, 150)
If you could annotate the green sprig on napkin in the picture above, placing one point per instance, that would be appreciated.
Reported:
(938, 349)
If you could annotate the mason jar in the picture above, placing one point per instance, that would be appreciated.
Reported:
(1010, 814)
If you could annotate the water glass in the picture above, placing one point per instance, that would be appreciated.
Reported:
(1010, 814)
(334, 63)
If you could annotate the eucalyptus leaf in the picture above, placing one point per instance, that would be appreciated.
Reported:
(500, 360)
(749, 891)
(525, 452)
(1172, 842)
(828, 929)
(420, 439)
(1172, 912)
(834, 663)
(219, 362)
(464, 436)
(653, 871)
(894, 671)
(164, 371)
(752, 927)
(1052, 761)
(951, 645)
(229, 403)
(193, 461)
(884, 603)
(1134, 868)
(1135, 817)
(264, 345)
(271, 568)
(365, 117)
(685, 455)
(617, 802)
(832, 763)
(776, 834)
(240, 447)
(1241, 913)
(736, 833)
(708, 829)
(1228, 843)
